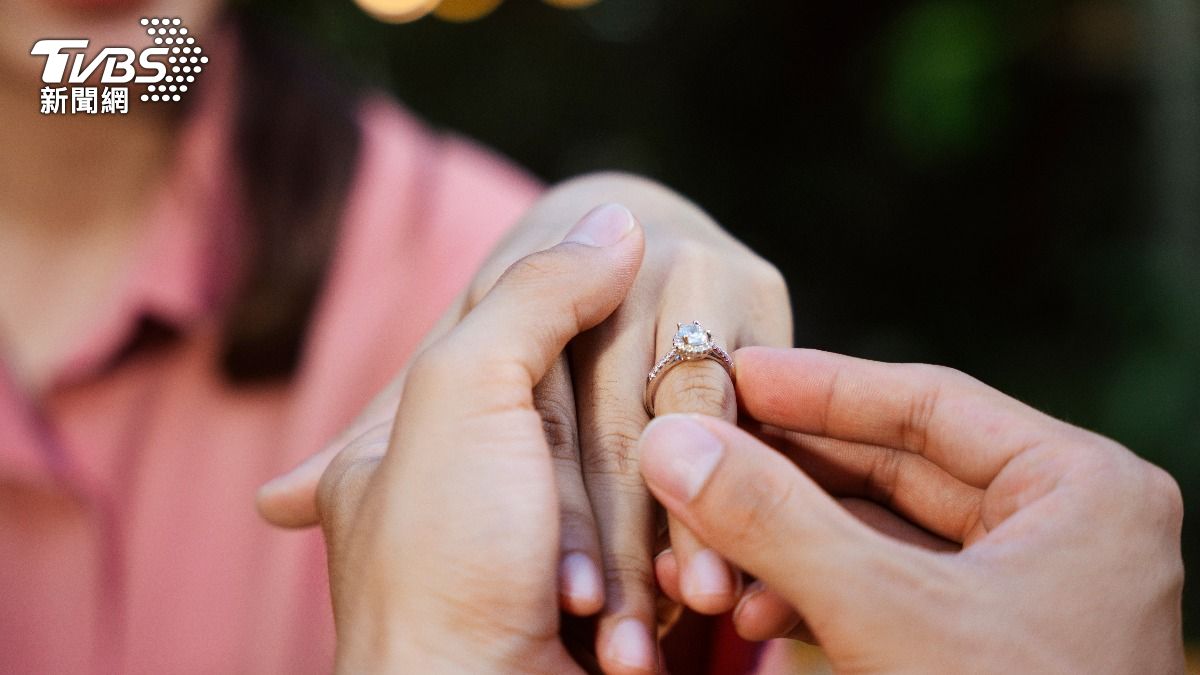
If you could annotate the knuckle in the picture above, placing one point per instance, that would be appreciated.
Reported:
(609, 402)
(696, 387)
(932, 373)
(614, 450)
(922, 406)
(690, 263)
(577, 531)
(1104, 470)
(626, 572)
(1166, 499)
(692, 255)
(613, 458)
(767, 280)
(561, 441)
(613, 485)
(558, 425)
(532, 270)
(597, 187)
(578, 528)
(1115, 475)
(883, 476)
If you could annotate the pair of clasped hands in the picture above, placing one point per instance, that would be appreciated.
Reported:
(905, 517)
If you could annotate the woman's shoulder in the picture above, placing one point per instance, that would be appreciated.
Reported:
(424, 210)
(444, 179)
(426, 205)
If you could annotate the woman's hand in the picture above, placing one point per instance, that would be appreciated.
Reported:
(593, 408)
(591, 404)
(443, 551)
(1070, 553)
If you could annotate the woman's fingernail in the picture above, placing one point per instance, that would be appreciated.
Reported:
(630, 645)
(603, 226)
(752, 590)
(579, 578)
(707, 575)
(678, 455)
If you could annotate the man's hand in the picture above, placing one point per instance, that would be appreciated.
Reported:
(443, 553)
(1070, 558)
(591, 403)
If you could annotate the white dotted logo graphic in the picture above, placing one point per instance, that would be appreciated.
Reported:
(186, 58)
(78, 84)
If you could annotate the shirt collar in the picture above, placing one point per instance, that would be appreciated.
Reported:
(187, 262)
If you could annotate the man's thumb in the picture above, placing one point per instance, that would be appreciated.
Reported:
(546, 298)
(760, 511)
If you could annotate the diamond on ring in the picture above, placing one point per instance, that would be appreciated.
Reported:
(690, 343)
(692, 339)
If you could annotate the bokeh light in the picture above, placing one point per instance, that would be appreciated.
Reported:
(397, 11)
(465, 10)
(570, 4)
(457, 11)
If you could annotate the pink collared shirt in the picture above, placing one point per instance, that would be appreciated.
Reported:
(129, 542)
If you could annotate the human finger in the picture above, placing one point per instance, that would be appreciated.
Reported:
(519, 328)
(710, 585)
(762, 614)
(926, 410)
(666, 572)
(468, 456)
(756, 508)
(608, 365)
(707, 583)
(581, 588)
(901, 481)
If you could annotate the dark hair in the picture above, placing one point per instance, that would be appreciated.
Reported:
(296, 158)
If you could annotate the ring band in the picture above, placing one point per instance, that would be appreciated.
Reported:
(691, 343)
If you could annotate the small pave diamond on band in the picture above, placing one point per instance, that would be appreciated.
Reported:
(691, 343)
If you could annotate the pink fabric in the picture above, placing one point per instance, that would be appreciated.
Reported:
(128, 537)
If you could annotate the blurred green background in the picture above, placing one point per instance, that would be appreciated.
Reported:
(1009, 188)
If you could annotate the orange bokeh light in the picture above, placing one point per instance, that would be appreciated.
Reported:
(403, 11)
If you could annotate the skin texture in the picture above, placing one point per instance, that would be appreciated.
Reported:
(590, 402)
(1069, 558)
(421, 582)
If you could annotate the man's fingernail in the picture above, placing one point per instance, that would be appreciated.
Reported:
(678, 455)
(707, 575)
(579, 578)
(603, 226)
(629, 644)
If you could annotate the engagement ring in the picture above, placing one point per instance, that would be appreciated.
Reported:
(691, 343)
